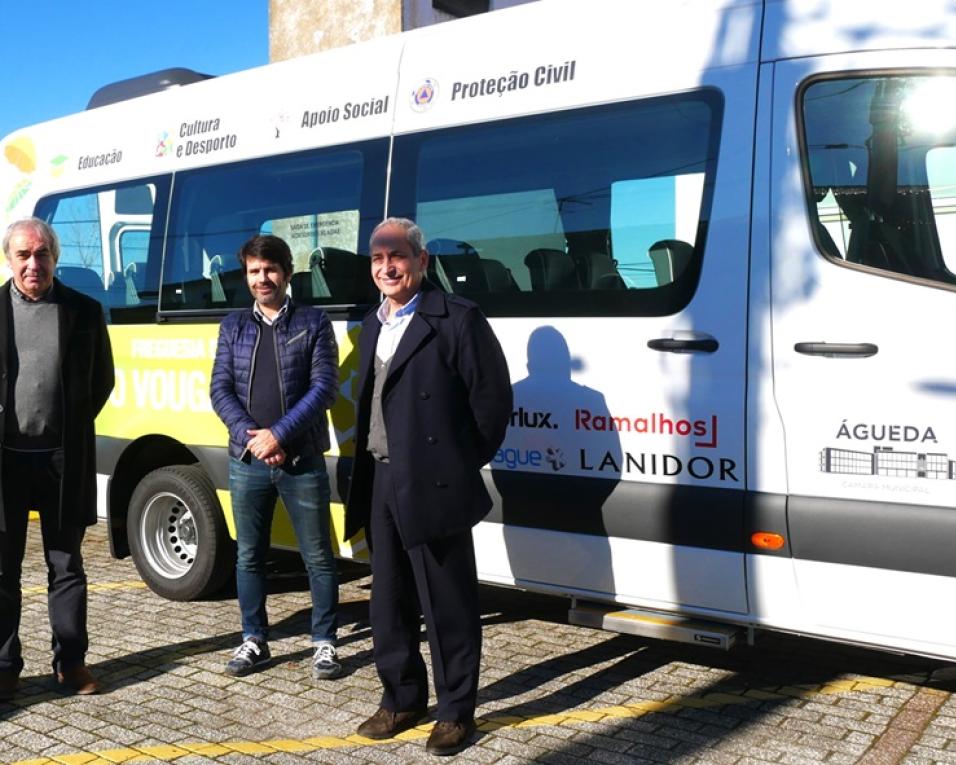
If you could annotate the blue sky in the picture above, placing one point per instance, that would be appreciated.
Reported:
(56, 53)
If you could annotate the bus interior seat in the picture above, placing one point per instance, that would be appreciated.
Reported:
(497, 276)
(349, 276)
(670, 258)
(436, 274)
(827, 245)
(337, 275)
(872, 242)
(116, 291)
(597, 270)
(346, 274)
(551, 270)
(218, 292)
(130, 286)
(191, 294)
(236, 288)
(84, 280)
(139, 276)
(301, 286)
(463, 274)
(319, 261)
(456, 266)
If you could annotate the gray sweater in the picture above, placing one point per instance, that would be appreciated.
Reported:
(34, 407)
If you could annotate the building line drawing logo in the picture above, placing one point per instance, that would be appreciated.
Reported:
(886, 461)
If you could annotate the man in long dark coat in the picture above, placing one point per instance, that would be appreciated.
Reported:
(56, 373)
(434, 403)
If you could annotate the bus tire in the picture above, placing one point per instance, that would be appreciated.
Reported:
(177, 534)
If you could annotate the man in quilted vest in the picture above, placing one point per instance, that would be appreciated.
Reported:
(273, 380)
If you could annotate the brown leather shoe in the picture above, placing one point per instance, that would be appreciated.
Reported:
(78, 679)
(385, 723)
(450, 737)
(8, 685)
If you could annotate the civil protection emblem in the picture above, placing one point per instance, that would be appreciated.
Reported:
(424, 95)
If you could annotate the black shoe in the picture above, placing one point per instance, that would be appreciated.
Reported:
(9, 682)
(253, 653)
(450, 737)
(385, 723)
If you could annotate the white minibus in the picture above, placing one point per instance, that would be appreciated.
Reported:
(713, 237)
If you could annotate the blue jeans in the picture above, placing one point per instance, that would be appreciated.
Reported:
(304, 490)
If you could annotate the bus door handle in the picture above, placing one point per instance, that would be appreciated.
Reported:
(697, 344)
(837, 350)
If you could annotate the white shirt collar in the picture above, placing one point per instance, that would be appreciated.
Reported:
(401, 313)
(257, 311)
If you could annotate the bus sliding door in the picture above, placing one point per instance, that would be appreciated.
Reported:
(864, 290)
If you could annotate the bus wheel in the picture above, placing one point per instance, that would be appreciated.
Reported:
(177, 533)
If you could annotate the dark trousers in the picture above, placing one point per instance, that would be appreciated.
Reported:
(31, 481)
(437, 580)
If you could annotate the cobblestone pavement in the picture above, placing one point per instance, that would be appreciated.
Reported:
(551, 692)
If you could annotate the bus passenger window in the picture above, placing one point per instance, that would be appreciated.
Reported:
(882, 172)
(313, 201)
(109, 248)
(573, 226)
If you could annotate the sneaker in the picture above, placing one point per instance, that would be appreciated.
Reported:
(325, 662)
(251, 654)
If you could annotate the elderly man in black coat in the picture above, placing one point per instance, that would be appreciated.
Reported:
(434, 404)
(56, 369)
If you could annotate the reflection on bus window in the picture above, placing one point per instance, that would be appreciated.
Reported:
(313, 201)
(941, 172)
(651, 210)
(883, 172)
(586, 212)
(106, 240)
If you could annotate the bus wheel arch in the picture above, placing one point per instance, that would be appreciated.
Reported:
(177, 533)
(139, 458)
(156, 473)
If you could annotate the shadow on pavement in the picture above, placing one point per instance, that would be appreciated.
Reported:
(692, 722)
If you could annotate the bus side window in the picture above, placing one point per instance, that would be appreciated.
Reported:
(110, 245)
(323, 203)
(571, 228)
(881, 169)
(83, 259)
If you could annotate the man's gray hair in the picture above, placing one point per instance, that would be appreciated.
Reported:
(413, 233)
(39, 226)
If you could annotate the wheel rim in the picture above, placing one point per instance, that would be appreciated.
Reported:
(169, 536)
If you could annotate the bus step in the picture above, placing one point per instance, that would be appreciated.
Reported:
(655, 625)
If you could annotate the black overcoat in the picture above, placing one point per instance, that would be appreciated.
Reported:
(86, 364)
(446, 405)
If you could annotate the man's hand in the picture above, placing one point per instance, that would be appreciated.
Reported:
(276, 459)
(264, 446)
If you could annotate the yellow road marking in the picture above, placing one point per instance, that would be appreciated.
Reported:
(170, 752)
(132, 584)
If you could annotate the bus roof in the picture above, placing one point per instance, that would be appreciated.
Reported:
(539, 57)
